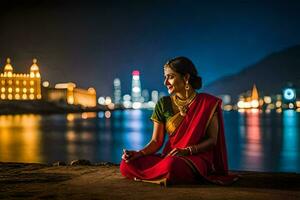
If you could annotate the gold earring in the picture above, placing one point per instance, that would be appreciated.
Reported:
(187, 87)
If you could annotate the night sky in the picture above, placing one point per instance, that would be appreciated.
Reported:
(91, 43)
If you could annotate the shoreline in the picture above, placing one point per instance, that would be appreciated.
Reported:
(104, 181)
(82, 162)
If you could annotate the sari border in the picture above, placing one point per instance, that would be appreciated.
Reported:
(211, 115)
(170, 126)
(155, 120)
(161, 181)
(189, 162)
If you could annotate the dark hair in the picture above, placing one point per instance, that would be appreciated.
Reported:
(183, 66)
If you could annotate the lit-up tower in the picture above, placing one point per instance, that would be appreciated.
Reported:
(136, 86)
(254, 97)
(35, 76)
(254, 93)
(117, 91)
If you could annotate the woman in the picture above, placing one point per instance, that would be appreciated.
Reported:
(196, 148)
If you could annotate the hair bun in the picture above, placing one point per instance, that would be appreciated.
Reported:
(196, 82)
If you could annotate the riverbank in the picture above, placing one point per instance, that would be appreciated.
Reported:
(104, 181)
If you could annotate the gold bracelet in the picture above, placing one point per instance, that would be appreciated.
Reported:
(190, 150)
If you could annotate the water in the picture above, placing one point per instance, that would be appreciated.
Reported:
(255, 141)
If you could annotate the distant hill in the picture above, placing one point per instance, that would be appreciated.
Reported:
(270, 75)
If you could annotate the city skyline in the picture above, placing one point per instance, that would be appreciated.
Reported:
(80, 41)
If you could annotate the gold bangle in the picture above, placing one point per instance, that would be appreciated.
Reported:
(190, 150)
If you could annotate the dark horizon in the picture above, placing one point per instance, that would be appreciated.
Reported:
(80, 41)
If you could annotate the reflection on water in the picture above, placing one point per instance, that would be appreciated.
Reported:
(20, 138)
(290, 148)
(255, 141)
(253, 146)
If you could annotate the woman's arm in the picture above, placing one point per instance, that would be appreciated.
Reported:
(157, 140)
(211, 137)
(209, 141)
(153, 146)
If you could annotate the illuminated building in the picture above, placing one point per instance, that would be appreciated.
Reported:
(68, 93)
(117, 91)
(154, 96)
(250, 101)
(20, 86)
(136, 86)
(136, 95)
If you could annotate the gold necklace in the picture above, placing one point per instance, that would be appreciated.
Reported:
(183, 105)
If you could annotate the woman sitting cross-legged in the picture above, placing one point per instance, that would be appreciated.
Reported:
(196, 149)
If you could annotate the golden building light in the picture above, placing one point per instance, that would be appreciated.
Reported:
(298, 104)
(67, 92)
(12, 83)
(278, 104)
(250, 101)
(267, 99)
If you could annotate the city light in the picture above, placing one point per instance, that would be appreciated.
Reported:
(136, 89)
(291, 106)
(46, 84)
(267, 99)
(111, 106)
(107, 114)
(135, 73)
(101, 100)
(278, 104)
(108, 100)
(241, 104)
(254, 103)
(136, 105)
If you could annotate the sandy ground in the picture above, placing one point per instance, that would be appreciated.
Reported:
(37, 181)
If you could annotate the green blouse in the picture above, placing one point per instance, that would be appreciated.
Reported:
(163, 110)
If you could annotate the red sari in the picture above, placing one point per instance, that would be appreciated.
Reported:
(210, 165)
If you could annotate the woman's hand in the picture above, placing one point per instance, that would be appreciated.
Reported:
(179, 152)
(131, 155)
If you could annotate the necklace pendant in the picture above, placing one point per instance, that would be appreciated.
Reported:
(182, 113)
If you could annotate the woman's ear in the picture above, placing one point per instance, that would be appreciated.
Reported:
(186, 77)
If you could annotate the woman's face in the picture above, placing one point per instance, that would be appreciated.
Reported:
(173, 81)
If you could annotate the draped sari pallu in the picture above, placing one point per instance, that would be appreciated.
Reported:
(210, 165)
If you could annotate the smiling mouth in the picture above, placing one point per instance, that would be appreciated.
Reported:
(170, 87)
